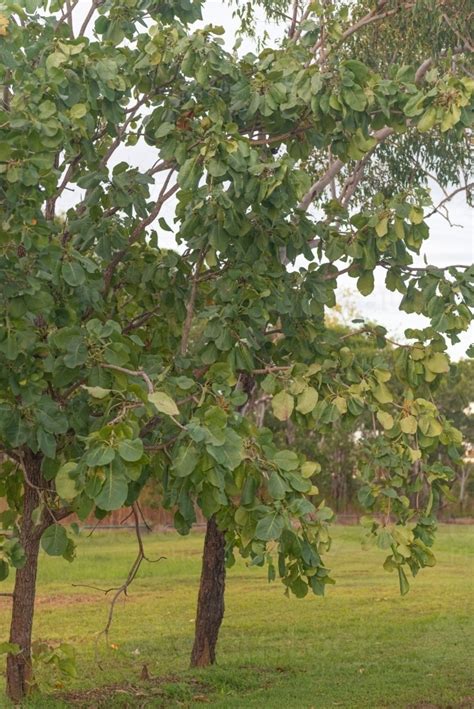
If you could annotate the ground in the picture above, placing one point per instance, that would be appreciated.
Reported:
(362, 646)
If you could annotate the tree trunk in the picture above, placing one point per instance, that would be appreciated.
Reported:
(19, 669)
(210, 607)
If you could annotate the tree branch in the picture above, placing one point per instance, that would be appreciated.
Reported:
(190, 306)
(162, 198)
(132, 373)
(464, 188)
(320, 185)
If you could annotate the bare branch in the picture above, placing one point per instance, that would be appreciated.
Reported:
(95, 4)
(123, 589)
(464, 188)
(294, 19)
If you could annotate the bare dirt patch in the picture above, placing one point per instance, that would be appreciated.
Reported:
(154, 692)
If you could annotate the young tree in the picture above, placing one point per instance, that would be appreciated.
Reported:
(122, 360)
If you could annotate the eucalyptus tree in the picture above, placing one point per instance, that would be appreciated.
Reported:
(123, 360)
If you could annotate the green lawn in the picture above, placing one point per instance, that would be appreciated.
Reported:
(361, 646)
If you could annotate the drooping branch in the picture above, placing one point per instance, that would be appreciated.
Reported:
(123, 589)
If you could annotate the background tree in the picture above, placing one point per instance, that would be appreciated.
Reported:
(121, 360)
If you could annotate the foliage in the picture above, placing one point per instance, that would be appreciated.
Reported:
(121, 360)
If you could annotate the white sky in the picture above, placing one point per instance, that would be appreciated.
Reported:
(446, 245)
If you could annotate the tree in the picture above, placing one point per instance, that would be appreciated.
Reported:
(455, 398)
(121, 360)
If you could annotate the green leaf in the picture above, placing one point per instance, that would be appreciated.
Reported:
(438, 363)
(102, 455)
(382, 393)
(65, 484)
(270, 527)
(385, 419)
(286, 460)
(308, 469)
(365, 283)
(427, 120)
(307, 400)
(416, 215)
(131, 450)
(381, 228)
(164, 403)
(276, 486)
(408, 424)
(54, 540)
(78, 111)
(4, 571)
(97, 392)
(186, 460)
(113, 493)
(73, 273)
(282, 405)
(10, 649)
(46, 442)
(404, 585)
(164, 129)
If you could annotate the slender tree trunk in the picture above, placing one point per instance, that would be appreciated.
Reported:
(19, 669)
(210, 607)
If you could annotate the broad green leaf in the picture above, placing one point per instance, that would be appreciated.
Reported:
(341, 404)
(437, 363)
(113, 493)
(408, 424)
(270, 527)
(164, 403)
(308, 469)
(416, 215)
(382, 393)
(365, 283)
(282, 405)
(73, 273)
(99, 456)
(385, 419)
(186, 460)
(54, 540)
(78, 111)
(131, 450)
(307, 400)
(276, 486)
(65, 484)
(286, 460)
(427, 120)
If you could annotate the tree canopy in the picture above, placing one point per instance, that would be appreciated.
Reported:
(122, 360)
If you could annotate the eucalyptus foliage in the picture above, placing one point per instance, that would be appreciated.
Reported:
(122, 360)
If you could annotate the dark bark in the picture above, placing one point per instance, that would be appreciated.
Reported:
(210, 607)
(19, 669)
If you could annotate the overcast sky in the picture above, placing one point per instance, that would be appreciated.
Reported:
(446, 245)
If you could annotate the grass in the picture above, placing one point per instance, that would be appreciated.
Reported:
(363, 646)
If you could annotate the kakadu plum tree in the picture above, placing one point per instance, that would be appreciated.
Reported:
(123, 361)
